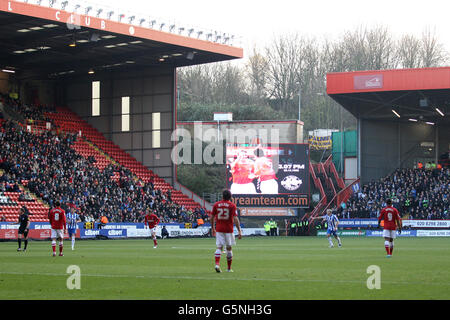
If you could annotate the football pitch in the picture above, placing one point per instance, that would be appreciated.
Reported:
(265, 268)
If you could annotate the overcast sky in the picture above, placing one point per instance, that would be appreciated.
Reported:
(258, 21)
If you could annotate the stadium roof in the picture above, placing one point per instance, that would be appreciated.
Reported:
(402, 95)
(38, 41)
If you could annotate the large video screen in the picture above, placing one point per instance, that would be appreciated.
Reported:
(268, 175)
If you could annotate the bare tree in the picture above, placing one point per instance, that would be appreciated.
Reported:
(409, 52)
(432, 53)
(367, 49)
(283, 69)
(257, 73)
(228, 84)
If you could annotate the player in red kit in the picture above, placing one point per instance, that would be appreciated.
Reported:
(222, 220)
(242, 170)
(152, 220)
(57, 218)
(391, 219)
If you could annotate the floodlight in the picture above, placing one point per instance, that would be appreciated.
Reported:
(86, 10)
(141, 22)
(440, 112)
(199, 33)
(51, 3)
(171, 27)
(180, 30)
(110, 13)
(99, 12)
(396, 113)
(190, 31)
(152, 23)
(130, 19)
(161, 25)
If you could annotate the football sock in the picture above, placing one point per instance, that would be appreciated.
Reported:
(19, 242)
(330, 241)
(217, 256)
(392, 247)
(229, 258)
(60, 247)
(155, 242)
(73, 242)
(339, 240)
(54, 246)
(387, 246)
(26, 244)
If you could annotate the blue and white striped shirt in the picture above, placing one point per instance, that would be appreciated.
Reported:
(72, 220)
(332, 220)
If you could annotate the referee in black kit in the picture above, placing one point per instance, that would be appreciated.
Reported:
(24, 228)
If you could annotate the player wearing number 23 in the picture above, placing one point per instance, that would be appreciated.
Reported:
(222, 220)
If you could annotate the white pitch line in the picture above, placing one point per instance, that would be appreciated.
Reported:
(222, 278)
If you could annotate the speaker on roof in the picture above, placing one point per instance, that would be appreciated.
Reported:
(423, 102)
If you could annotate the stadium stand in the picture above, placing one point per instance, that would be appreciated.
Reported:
(417, 193)
(68, 121)
(82, 170)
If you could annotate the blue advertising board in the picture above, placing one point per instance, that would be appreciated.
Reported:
(379, 233)
(109, 233)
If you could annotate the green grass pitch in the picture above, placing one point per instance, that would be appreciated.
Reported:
(265, 268)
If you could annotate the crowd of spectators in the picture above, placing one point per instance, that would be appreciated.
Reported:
(31, 112)
(422, 194)
(54, 171)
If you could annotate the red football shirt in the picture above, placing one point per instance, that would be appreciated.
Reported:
(57, 217)
(264, 169)
(242, 171)
(151, 220)
(224, 213)
(389, 215)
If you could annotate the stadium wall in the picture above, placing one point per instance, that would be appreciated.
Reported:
(289, 131)
(385, 146)
(150, 91)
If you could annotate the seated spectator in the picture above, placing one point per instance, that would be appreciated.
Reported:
(421, 194)
(55, 171)
(24, 196)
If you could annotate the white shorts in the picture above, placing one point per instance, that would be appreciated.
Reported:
(57, 233)
(269, 186)
(225, 239)
(389, 233)
(152, 230)
(247, 188)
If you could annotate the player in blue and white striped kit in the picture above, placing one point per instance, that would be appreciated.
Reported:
(332, 222)
(72, 219)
